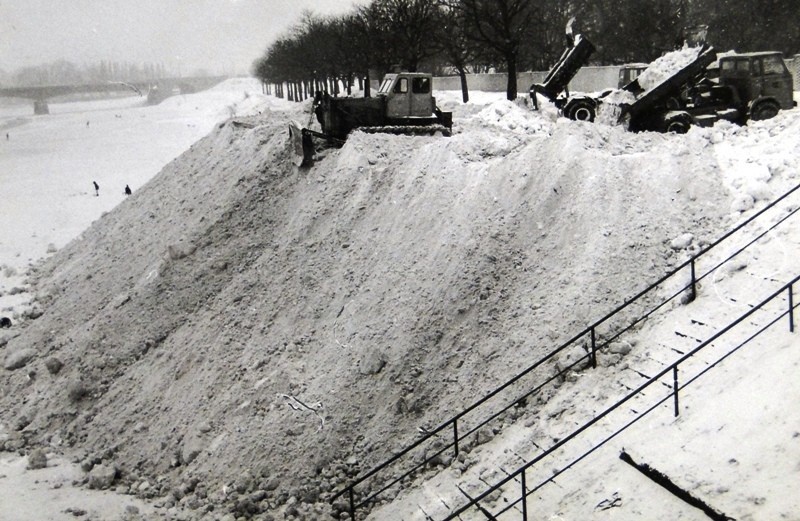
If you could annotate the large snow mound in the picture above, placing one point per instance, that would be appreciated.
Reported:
(247, 326)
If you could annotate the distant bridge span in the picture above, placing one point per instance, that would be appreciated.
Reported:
(156, 90)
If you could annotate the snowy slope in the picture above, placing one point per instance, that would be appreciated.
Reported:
(237, 314)
(48, 163)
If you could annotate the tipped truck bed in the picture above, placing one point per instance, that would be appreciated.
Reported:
(649, 101)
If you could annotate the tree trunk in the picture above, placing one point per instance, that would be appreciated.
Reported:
(511, 87)
(366, 87)
(462, 73)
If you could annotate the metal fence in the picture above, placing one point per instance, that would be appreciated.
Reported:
(447, 439)
(519, 475)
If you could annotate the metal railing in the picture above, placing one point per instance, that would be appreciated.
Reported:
(584, 347)
(519, 475)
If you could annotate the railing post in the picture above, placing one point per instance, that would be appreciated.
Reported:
(455, 436)
(791, 310)
(694, 283)
(594, 349)
(524, 498)
(352, 504)
(675, 387)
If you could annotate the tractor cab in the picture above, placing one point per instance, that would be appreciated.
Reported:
(408, 94)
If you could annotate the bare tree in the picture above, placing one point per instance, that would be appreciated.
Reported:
(502, 25)
(452, 41)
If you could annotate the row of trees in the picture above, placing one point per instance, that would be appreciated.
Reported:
(461, 36)
(63, 72)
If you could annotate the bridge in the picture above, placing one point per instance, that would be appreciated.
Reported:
(156, 90)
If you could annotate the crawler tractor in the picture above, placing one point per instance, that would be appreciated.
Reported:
(404, 104)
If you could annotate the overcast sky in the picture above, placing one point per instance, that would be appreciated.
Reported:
(217, 35)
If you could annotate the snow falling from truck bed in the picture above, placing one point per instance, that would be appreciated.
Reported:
(394, 281)
(657, 72)
(666, 66)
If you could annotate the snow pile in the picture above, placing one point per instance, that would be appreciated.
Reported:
(657, 72)
(666, 66)
(244, 336)
(234, 97)
(48, 164)
(508, 115)
(609, 110)
(752, 156)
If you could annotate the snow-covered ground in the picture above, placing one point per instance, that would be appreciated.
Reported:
(718, 448)
(736, 444)
(48, 164)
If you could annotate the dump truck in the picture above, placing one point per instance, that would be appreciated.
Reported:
(404, 104)
(662, 108)
(556, 83)
(737, 87)
(741, 87)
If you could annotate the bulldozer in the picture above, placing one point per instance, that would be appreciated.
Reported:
(404, 104)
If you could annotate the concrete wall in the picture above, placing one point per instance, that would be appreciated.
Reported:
(794, 66)
(588, 79)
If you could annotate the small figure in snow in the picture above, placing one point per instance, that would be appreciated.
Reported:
(87, 124)
(128, 190)
(96, 188)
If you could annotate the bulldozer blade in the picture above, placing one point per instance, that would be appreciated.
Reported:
(302, 145)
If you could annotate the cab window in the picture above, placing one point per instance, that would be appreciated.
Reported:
(386, 85)
(736, 67)
(401, 87)
(773, 65)
(421, 85)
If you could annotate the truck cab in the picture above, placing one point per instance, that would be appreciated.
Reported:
(760, 80)
(408, 95)
(629, 72)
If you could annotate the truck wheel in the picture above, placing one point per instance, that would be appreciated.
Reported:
(582, 111)
(678, 126)
(764, 110)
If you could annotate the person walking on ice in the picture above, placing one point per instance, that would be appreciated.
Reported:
(96, 188)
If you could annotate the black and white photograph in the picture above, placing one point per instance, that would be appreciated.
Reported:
(399, 260)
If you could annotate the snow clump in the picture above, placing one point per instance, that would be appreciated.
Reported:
(510, 116)
(666, 66)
